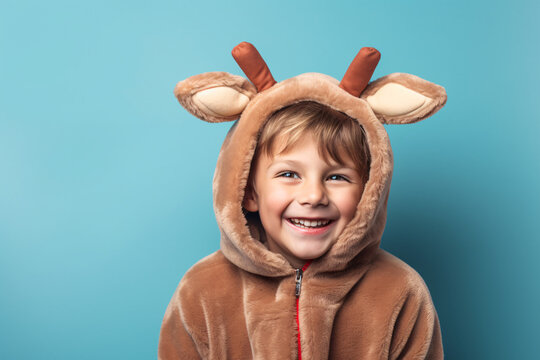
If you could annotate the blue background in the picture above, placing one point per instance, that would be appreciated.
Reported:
(105, 185)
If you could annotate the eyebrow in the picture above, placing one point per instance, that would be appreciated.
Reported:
(291, 163)
(285, 162)
(333, 167)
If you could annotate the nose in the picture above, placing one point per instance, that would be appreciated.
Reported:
(313, 193)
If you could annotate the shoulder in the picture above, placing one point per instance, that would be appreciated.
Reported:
(193, 305)
(391, 276)
(404, 302)
(211, 278)
(209, 268)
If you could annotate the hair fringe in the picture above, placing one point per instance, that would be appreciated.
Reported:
(338, 135)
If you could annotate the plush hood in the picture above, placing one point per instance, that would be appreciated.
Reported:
(218, 96)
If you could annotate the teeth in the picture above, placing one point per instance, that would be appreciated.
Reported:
(303, 223)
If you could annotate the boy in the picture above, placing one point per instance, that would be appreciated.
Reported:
(300, 194)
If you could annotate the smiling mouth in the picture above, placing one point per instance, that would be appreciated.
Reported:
(309, 223)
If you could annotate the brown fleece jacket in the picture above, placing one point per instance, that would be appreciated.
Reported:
(356, 301)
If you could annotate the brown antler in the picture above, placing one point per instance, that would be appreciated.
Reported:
(253, 65)
(359, 72)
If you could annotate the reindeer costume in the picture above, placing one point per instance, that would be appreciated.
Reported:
(356, 301)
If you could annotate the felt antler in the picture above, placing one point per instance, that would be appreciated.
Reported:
(253, 65)
(359, 72)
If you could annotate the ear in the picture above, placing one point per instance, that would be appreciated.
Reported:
(403, 98)
(215, 96)
(250, 202)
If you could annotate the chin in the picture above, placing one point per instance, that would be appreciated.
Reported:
(308, 253)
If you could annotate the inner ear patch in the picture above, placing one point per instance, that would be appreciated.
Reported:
(394, 99)
(221, 101)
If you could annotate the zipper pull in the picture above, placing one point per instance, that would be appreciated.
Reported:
(299, 274)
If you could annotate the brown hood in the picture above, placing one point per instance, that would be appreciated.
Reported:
(396, 98)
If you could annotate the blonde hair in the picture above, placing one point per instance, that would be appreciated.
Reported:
(336, 133)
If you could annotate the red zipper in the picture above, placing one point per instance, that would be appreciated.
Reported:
(299, 275)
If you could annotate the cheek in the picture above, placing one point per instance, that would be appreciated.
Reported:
(275, 202)
(347, 204)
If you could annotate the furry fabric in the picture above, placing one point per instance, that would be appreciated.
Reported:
(434, 92)
(185, 90)
(380, 310)
(357, 301)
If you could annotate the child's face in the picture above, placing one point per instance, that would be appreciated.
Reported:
(304, 203)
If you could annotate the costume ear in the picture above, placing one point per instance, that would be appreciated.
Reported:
(403, 98)
(215, 96)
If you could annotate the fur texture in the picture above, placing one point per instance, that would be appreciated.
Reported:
(357, 301)
(185, 90)
(436, 93)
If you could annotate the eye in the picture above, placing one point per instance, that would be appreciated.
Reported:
(289, 174)
(337, 177)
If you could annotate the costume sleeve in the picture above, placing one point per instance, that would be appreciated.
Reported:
(176, 339)
(417, 333)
